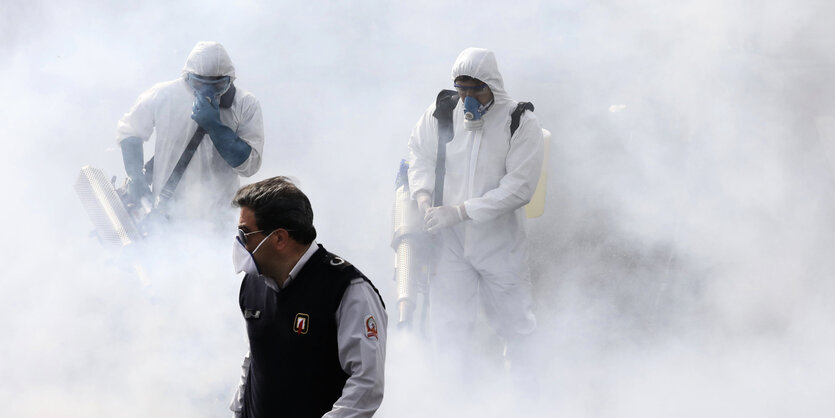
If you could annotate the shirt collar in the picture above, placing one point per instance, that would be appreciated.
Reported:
(299, 264)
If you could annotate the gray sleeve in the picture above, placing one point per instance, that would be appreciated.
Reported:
(237, 400)
(361, 334)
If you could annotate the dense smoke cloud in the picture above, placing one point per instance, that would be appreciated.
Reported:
(682, 266)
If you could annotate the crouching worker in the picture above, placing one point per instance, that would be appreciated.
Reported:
(316, 324)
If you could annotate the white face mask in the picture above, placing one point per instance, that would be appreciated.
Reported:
(243, 260)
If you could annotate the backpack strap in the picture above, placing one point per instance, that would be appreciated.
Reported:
(516, 116)
(444, 104)
(168, 190)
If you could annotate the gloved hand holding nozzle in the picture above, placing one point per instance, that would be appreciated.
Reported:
(424, 201)
(444, 217)
(132, 155)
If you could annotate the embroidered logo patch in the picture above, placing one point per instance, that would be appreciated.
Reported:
(301, 323)
(370, 327)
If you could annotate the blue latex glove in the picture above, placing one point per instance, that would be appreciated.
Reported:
(233, 149)
(206, 112)
(133, 157)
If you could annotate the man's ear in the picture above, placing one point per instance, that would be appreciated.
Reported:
(281, 238)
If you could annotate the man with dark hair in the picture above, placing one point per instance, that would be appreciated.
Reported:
(316, 324)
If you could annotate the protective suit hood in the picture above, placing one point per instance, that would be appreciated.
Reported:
(481, 63)
(209, 59)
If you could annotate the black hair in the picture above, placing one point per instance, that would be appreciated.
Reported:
(278, 203)
(466, 78)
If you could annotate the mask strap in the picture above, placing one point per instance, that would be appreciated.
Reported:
(228, 98)
(262, 241)
(483, 108)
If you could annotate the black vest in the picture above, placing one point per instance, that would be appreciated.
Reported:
(294, 366)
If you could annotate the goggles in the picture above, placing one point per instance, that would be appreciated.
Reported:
(242, 236)
(471, 90)
(216, 85)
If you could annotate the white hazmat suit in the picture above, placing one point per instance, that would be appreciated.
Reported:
(493, 175)
(209, 182)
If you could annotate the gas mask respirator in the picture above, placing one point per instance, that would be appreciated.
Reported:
(473, 111)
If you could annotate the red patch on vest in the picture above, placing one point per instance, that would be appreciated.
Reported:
(301, 323)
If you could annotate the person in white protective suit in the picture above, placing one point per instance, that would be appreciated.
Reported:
(489, 177)
(204, 96)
